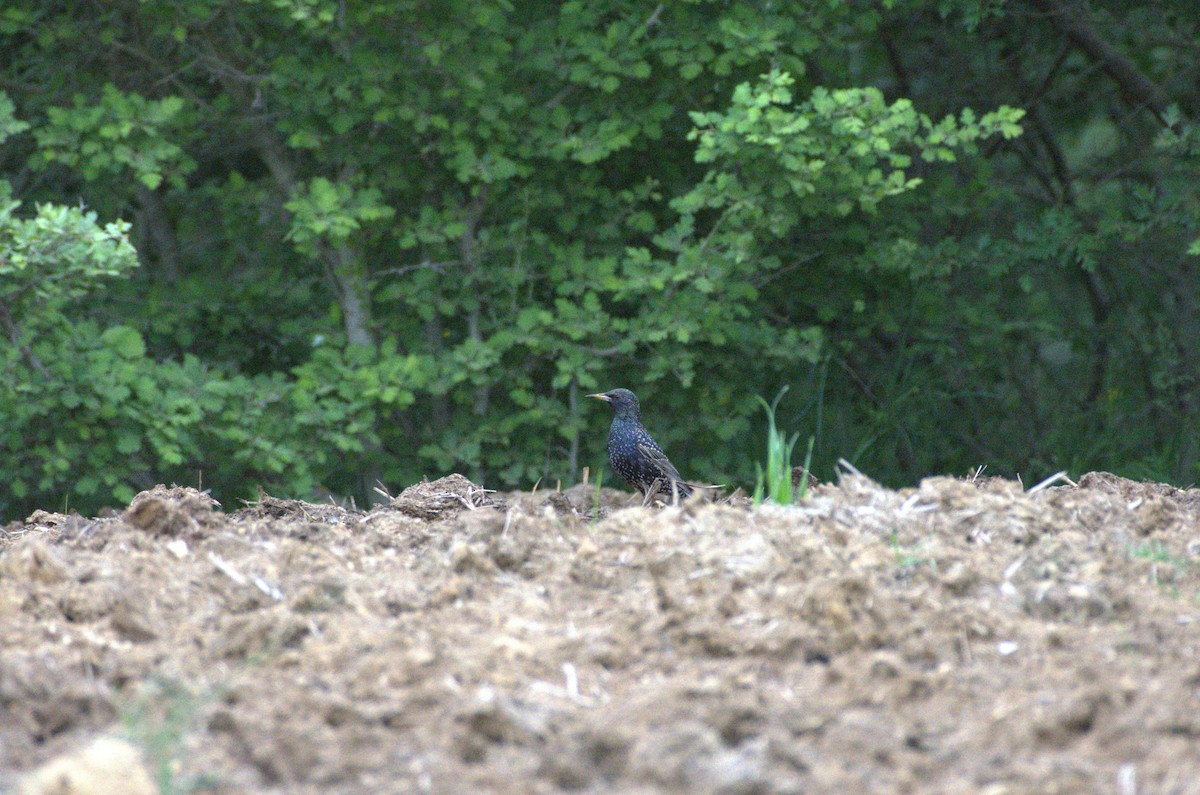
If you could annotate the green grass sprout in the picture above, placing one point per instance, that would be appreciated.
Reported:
(775, 483)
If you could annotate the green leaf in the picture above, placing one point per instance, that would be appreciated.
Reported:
(125, 340)
(128, 443)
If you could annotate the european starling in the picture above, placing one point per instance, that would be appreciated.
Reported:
(634, 455)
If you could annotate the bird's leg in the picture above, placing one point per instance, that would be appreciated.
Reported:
(659, 486)
(652, 491)
(648, 497)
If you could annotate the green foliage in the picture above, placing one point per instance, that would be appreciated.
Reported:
(970, 236)
(847, 148)
(55, 258)
(87, 411)
(122, 131)
(10, 125)
(99, 417)
(332, 212)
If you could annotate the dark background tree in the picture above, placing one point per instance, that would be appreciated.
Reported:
(379, 240)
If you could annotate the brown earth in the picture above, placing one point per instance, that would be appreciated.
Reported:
(957, 637)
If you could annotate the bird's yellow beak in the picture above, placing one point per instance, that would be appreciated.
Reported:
(603, 397)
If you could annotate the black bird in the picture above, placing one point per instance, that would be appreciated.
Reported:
(634, 455)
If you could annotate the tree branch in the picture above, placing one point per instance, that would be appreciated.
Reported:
(14, 334)
(1071, 21)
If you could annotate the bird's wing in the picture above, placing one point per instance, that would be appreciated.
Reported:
(654, 454)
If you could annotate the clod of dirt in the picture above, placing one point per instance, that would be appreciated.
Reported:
(108, 766)
(41, 522)
(1131, 489)
(1074, 716)
(268, 507)
(40, 518)
(133, 621)
(452, 493)
(34, 561)
(173, 511)
(799, 477)
(262, 633)
(690, 757)
(90, 601)
(560, 504)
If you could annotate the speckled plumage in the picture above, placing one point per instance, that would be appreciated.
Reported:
(632, 452)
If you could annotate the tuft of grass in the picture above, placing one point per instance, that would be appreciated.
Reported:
(807, 472)
(1166, 567)
(775, 482)
(1157, 552)
(158, 719)
(909, 558)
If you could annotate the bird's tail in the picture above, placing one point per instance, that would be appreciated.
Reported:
(678, 487)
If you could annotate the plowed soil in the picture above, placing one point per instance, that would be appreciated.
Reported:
(958, 637)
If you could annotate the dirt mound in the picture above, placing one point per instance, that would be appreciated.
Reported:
(961, 636)
(452, 493)
(174, 511)
(294, 511)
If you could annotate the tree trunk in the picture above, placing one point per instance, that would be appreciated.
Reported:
(157, 236)
(343, 265)
(466, 246)
(573, 450)
(345, 272)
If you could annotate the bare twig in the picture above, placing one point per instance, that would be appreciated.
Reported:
(14, 334)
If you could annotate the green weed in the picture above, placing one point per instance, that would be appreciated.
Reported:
(158, 719)
(908, 558)
(1167, 568)
(775, 483)
(1157, 552)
